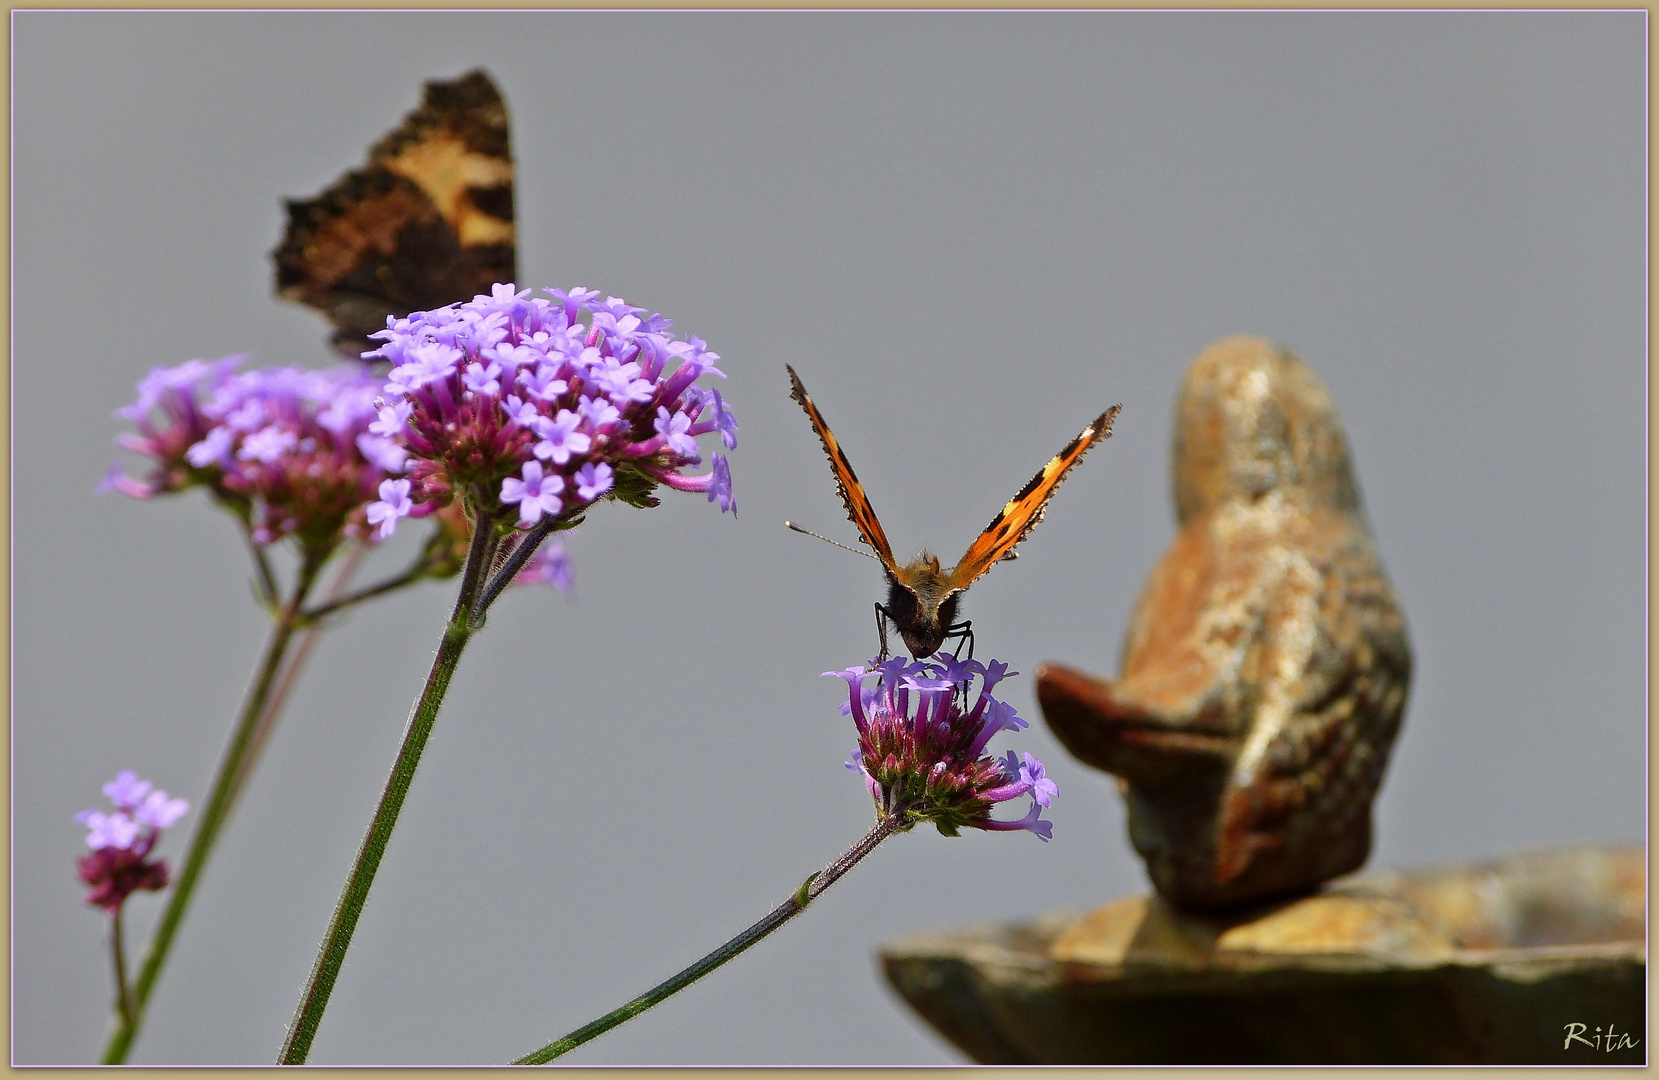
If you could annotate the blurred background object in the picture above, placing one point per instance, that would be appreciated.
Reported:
(1266, 665)
(1538, 959)
(967, 219)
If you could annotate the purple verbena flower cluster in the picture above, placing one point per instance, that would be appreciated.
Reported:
(921, 747)
(526, 412)
(287, 450)
(119, 863)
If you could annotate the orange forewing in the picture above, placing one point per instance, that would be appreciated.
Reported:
(1024, 510)
(859, 510)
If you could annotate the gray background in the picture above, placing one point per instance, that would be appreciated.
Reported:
(969, 232)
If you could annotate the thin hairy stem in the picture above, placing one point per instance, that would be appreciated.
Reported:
(291, 671)
(329, 607)
(809, 891)
(215, 811)
(123, 992)
(504, 575)
(324, 973)
(268, 591)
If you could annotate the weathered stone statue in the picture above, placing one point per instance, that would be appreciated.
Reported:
(1266, 664)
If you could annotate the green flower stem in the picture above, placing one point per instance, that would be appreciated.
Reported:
(268, 592)
(459, 630)
(420, 570)
(809, 891)
(215, 812)
(123, 993)
(290, 673)
(504, 574)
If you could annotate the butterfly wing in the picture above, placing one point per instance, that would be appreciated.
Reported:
(1024, 510)
(427, 220)
(859, 510)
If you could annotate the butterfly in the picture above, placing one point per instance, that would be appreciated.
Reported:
(427, 221)
(922, 597)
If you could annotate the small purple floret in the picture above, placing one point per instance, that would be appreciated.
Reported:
(550, 565)
(593, 480)
(394, 503)
(536, 494)
(126, 790)
(725, 422)
(559, 437)
(115, 830)
(720, 485)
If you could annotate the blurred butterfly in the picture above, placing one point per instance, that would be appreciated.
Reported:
(922, 597)
(427, 221)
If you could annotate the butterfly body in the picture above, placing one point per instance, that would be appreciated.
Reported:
(923, 597)
(922, 604)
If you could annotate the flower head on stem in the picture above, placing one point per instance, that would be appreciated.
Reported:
(119, 863)
(921, 745)
(293, 453)
(523, 416)
(921, 752)
(528, 413)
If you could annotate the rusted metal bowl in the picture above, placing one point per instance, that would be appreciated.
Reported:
(1536, 959)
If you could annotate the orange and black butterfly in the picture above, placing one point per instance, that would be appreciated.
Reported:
(922, 597)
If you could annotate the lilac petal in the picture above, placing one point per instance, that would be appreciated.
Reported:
(550, 565)
(115, 830)
(1043, 789)
(520, 412)
(720, 485)
(593, 480)
(924, 682)
(673, 428)
(126, 790)
(483, 380)
(559, 437)
(214, 449)
(599, 412)
(954, 671)
(725, 422)
(158, 811)
(535, 494)
(995, 672)
(394, 503)
(392, 419)
(389, 456)
(1031, 822)
(854, 677)
(117, 480)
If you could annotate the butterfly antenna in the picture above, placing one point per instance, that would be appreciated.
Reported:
(837, 543)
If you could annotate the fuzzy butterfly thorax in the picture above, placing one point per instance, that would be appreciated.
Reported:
(921, 602)
(922, 597)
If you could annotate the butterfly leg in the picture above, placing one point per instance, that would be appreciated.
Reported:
(882, 615)
(962, 632)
